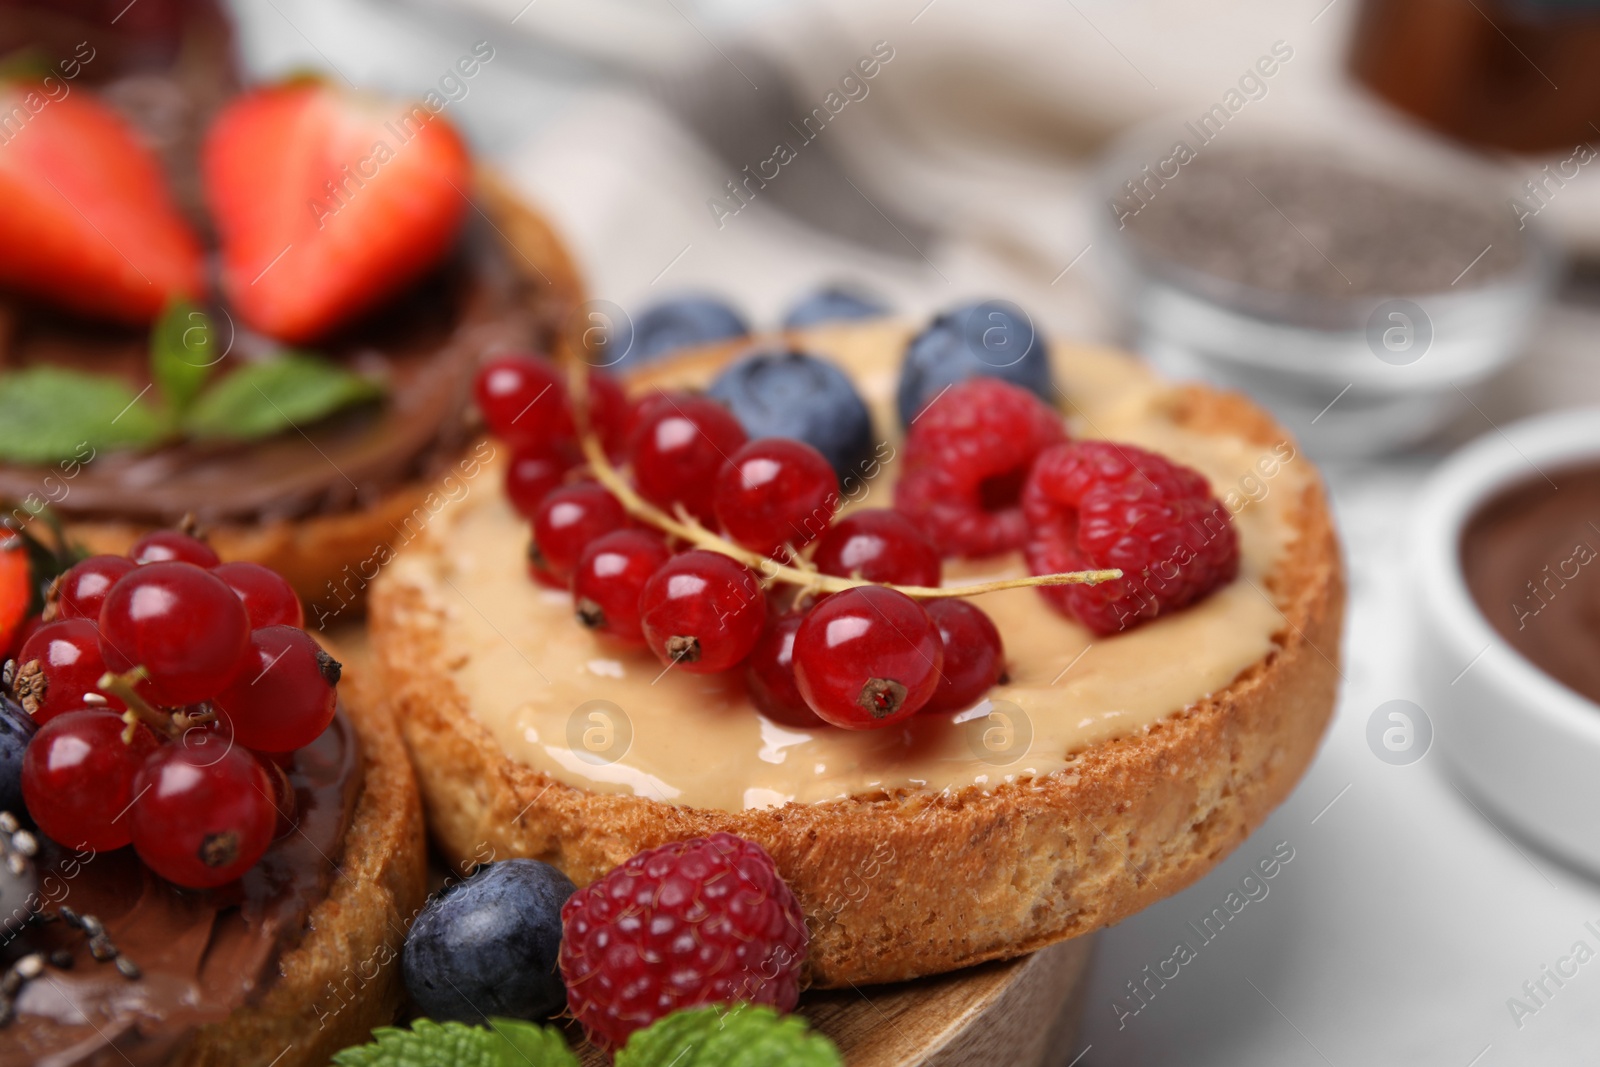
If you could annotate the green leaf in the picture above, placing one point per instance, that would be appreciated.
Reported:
(527, 1043)
(261, 399)
(744, 1035)
(183, 351)
(429, 1044)
(49, 414)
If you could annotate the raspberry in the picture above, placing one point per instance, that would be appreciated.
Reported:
(967, 457)
(706, 921)
(1093, 504)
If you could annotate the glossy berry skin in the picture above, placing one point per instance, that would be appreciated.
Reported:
(867, 657)
(489, 945)
(182, 624)
(285, 696)
(992, 339)
(679, 322)
(974, 657)
(965, 463)
(787, 393)
(769, 675)
(202, 820)
(16, 730)
(82, 590)
(702, 612)
(704, 921)
(1095, 504)
(609, 579)
(67, 652)
(834, 303)
(530, 477)
(162, 546)
(268, 599)
(774, 492)
(566, 522)
(78, 779)
(679, 445)
(523, 400)
(878, 545)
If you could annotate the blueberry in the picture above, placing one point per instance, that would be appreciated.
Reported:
(16, 730)
(833, 304)
(673, 324)
(994, 339)
(792, 394)
(488, 945)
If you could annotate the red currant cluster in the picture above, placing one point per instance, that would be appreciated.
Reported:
(172, 691)
(860, 658)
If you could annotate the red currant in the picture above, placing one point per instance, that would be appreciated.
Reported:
(611, 574)
(268, 598)
(973, 655)
(166, 546)
(182, 624)
(284, 697)
(201, 819)
(83, 589)
(523, 401)
(530, 476)
(867, 657)
(773, 492)
(69, 665)
(609, 413)
(769, 675)
(78, 778)
(567, 520)
(878, 545)
(702, 611)
(680, 443)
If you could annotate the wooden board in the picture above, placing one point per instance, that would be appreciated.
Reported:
(1018, 1013)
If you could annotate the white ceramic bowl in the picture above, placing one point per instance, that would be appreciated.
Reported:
(1517, 740)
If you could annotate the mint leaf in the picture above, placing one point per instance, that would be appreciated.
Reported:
(744, 1035)
(182, 353)
(261, 399)
(429, 1044)
(524, 1043)
(48, 414)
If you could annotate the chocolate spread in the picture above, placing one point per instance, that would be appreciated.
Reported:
(1531, 557)
(201, 954)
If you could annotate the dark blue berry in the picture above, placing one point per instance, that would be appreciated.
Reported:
(16, 730)
(792, 394)
(994, 339)
(678, 323)
(488, 945)
(833, 304)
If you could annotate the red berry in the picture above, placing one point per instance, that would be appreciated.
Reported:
(974, 658)
(284, 697)
(775, 491)
(83, 589)
(769, 675)
(16, 594)
(182, 624)
(705, 921)
(165, 546)
(268, 598)
(78, 778)
(966, 458)
(680, 443)
(567, 520)
(202, 819)
(1094, 504)
(610, 413)
(530, 476)
(523, 401)
(878, 545)
(702, 611)
(67, 652)
(867, 657)
(611, 574)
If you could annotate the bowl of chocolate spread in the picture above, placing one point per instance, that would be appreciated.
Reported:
(1507, 565)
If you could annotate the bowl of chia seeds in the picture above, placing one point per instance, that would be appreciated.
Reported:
(1354, 276)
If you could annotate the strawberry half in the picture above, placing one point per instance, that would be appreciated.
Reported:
(326, 202)
(87, 221)
(16, 595)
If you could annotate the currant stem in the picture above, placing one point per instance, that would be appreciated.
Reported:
(139, 709)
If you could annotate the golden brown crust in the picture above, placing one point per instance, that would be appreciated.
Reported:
(344, 978)
(319, 554)
(897, 886)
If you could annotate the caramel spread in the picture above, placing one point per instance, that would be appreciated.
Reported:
(563, 702)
